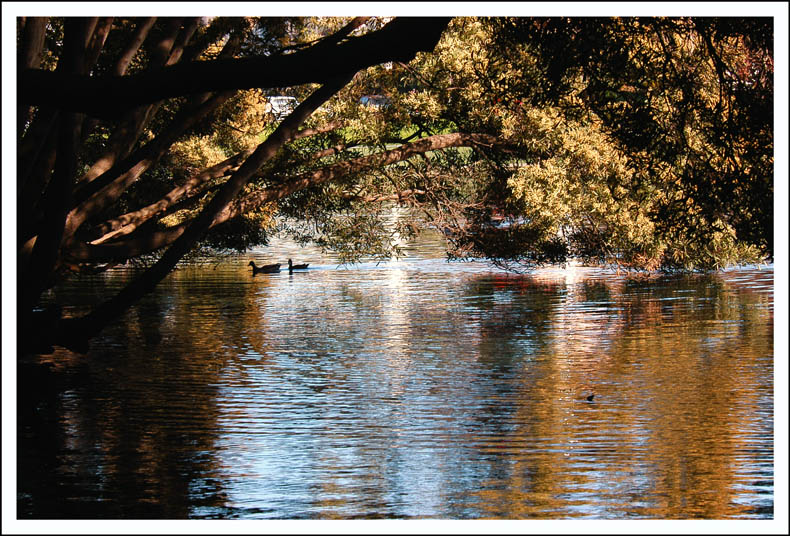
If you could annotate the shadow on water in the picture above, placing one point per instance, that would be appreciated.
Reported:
(414, 389)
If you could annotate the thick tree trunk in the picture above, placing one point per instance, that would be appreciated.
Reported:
(34, 167)
(37, 272)
(57, 196)
(36, 268)
(30, 58)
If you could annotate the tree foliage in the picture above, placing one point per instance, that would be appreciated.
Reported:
(642, 143)
(629, 139)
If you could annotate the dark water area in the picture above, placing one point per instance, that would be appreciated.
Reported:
(411, 389)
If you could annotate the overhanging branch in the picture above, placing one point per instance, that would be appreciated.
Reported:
(133, 245)
(110, 96)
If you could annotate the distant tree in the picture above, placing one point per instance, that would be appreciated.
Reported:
(643, 143)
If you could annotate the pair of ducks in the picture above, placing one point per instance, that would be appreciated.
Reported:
(275, 268)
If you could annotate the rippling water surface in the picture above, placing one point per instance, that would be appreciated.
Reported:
(411, 389)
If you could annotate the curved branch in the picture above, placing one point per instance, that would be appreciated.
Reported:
(138, 245)
(111, 96)
(257, 199)
(127, 223)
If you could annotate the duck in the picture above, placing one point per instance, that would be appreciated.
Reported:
(292, 266)
(265, 269)
(590, 397)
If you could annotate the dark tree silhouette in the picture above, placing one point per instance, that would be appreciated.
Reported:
(659, 132)
(54, 200)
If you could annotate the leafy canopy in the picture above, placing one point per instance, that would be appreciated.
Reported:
(645, 143)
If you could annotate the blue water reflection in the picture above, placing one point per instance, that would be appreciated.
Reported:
(413, 389)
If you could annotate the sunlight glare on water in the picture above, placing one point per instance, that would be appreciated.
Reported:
(412, 389)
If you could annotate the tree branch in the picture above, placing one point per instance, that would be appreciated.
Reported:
(83, 328)
(30, 49)
(110, 96)
(127, 223)
(398, 196)
(37, 268)
(133, 121)
(137, 245)
(128, 54)
(96, 43)
(107, 189)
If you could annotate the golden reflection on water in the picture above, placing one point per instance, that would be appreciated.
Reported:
(413, 390)
(677, 385)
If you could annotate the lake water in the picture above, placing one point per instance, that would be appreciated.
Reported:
(410, 389)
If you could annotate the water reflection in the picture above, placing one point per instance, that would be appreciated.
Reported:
(410, 389)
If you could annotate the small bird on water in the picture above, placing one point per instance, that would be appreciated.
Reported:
(589, 398)
(292, 266)
(265, 269)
